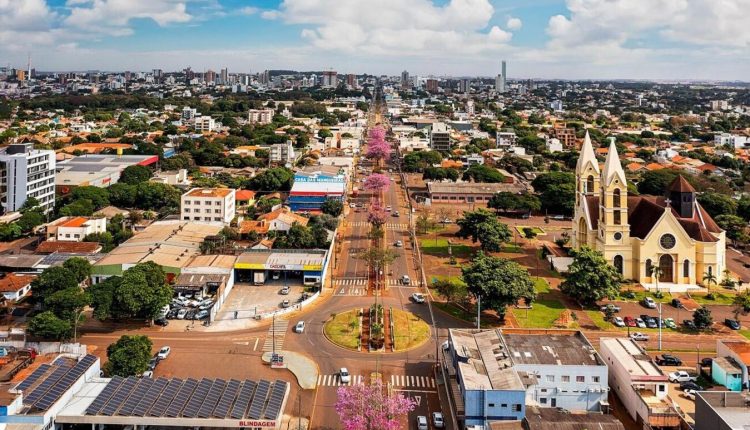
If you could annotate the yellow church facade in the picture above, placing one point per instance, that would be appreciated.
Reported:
(669, 237)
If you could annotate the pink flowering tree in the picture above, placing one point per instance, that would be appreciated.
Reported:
(377, 147)
(377, 182)
(377, 133)
(377, 215)
(370, 407)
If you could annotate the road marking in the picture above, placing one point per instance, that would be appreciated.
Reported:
(335, 380)
(257, 339)
(413, 381)
(276, 334)
(407, 390)
(418, 400)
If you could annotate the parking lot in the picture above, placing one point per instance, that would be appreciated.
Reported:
(247, 300)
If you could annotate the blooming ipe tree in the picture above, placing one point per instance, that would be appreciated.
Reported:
(370, 407)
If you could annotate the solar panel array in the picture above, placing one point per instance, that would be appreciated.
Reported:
(31, 379)
(207, 398)
(49, 391)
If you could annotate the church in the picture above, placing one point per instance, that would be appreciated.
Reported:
(638, 234)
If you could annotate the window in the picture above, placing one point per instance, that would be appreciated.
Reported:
(217, 218)
(516, 407)
(686, 268)
(649, 267)
(618, 263)
(187, 218)
(662, 388)
(590, 184)
(618, 217)
(596, 379)
(198, 202)
(565, 378)
(187, 202)
(580, 378)
(543, 400)
(492, 405)
(504, 405)
(550, 378)
(618, 236)
(217, 211)
(218, 203)
(187, 210)
(667, 241)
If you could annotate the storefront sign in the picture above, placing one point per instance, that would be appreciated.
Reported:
(251, 266)
(258, 423)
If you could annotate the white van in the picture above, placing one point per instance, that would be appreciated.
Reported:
(406, 280)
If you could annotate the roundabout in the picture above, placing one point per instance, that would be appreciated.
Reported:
(376, 329)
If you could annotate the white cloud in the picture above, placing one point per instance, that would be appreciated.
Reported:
(113, 17)
(270, 14)
(514, 24)
(25, 24)
(248, 10)
(396, 27)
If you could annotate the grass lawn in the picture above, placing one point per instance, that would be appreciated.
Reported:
(745, 333)
(409, 330)
(598, 319)
(458, 313)
(454, 279)
(439, 247)
(343, 330)
(536, 230)
(541, 286)
(542, 314)
(719, 299)
(511, 248)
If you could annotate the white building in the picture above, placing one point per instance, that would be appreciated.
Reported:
(470, 107)
(719, 105)
(735, 140)
(188, 114)
(440, 137)
(204, 123)
(556, 105)
(554, 145)
(506, 139)
(639, 383)
(282, 153)
(260, 116)
(208, 205)
(74, 229)
(26, 172)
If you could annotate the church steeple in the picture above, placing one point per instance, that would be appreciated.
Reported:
(587, 156)
(587, 171)
(682, 197)
(612, 167)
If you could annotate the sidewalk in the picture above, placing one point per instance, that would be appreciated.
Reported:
(303, 368)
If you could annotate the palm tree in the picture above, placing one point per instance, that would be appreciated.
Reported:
(656, 273)
(708, 278)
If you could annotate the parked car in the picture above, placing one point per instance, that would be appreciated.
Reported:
(388, 208)
(422, 423)
(182, 313)
(172, 314)
(650, 321)
(285, 304)
(689, 324)
(437, 420)
(640, 323)
(344, 375)
(164, 353)
(398, 244)
(669, 323)
(275, 276)
(395, 214)
(300, 327)
(678, 304)
(618, 322)
(668, 360)
(733, 324)
(284, 290)
(681, 376)
(153, 363)
(649, 303)
(707, 361)
(201, 314)
(638, 336)
(417, 297)
(614, 308)
(161, 321)
(689, 394)
(630, 322)
(690, 385)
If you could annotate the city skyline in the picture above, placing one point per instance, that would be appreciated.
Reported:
(544, 39)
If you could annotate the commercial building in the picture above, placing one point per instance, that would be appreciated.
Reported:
(733, 140)
(639, 383)
(310, 196)
(469, 192)
(566, 136)
(432, 85)
(96, 170)
(260, 116)
(215, 205)
(26, 172)
(722, 410)
(498, 375)
(732, 364)
(306, 265)
(74, 229)
(440, 137)
(170, 244)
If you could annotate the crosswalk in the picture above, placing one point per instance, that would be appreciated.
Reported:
(400, 381)
(388, 225)
(276, 334)
(347, 282)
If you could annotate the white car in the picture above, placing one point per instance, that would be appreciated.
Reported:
(618, 322)
(681, 376)
(689, 394)
(164, 353)
(300, 327)
(388, 208)
(181, 314)
(638, 336)
(344, 375)
(649, 303)
(398, 244)
(352, 205)
(418, 297)
(422, 423)
(437, 420)
(147, 374)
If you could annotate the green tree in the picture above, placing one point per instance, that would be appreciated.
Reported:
(735, 227)
(709, 278)
(51, 280)
(103, 296)
(590, 278)
(143, 291)
(67, 304)
(656, 182)
(506, 201)
(424, 223)
(129, 356)
(332, 207)
(80, 267)
(29, 220)
(702, 318)
(122, 195)
(717, 204)
(274, 179)
(104, 239)
(48, 326)
(452, 291)
(484, 174)
(742, 302)
(82, 207)
(133, 175)
(99, 197)
(156, 196)
(556, 190)
(498, 281)
(483, 226)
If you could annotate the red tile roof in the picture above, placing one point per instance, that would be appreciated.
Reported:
(12, 282)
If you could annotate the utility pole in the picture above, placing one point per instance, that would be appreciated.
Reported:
(479, 311)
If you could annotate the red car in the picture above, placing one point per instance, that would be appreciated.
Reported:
(630, 322)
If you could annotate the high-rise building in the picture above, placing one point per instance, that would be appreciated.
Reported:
(26, 172)
(21, 75)
(501, 79)
(351, 80)
(210, 76)
(405, 82)
(158, 75)
(440, 137)
(470, 107)
(330, 78)
(432, 85)
(224, 76)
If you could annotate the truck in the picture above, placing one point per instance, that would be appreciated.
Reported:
(259, 278)
(20, 360)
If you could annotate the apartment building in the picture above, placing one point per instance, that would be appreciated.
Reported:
(282, 153)
(208, 205)
(506, 139)
(26, 172)
(639, 383)
(204, 123)
(440, 137)
(260, 116)
(74, 229)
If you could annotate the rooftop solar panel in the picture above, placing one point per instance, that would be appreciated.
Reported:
(277, 398)
(150, 397)
(61, 386)
(46, 384)
(140, 390)
(212, 398)
(104, 395)
(117, 399)
(178, 404)
(165, 398)
(227, 398)
(243, 400)
(197, 399)
(31, 379)
(259, 400)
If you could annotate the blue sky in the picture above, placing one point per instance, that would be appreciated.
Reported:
(572, 39)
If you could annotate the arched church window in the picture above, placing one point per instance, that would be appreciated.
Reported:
(686, 268)
(616, 198)
(618, 262)
(617, 216)
(590, 184)
(649, 267)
